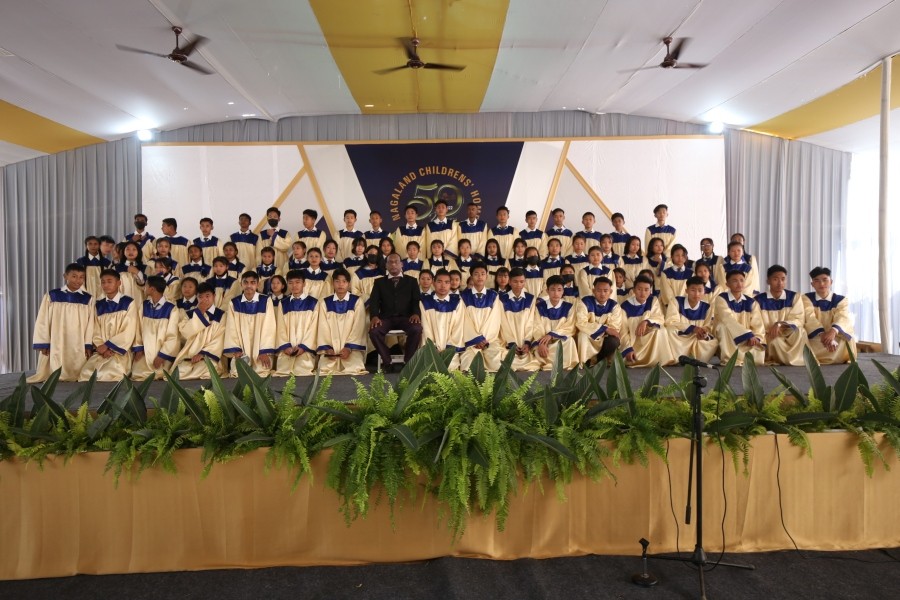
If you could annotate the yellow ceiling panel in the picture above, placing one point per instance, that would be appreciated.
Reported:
(28, 129)
(365, 37)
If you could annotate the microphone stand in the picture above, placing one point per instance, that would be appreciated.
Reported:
(698, 557)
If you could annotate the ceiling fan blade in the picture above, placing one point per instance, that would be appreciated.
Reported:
(195, 67)
(688, 66)
(641, 69)
(198, 41)
(411, 53)
(390, 70)
(443, 67)
(679, 47)
(139, 51)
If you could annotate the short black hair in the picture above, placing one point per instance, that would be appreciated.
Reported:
(110, 273)
(157, 283)
(74, 267)
(643, 279)
(775, 269)
(91, 238)
(694, 280)
(107, 239)
(296, 274)
(617, 215)
(274, 209)
(659, 206)
(516, 272)
(308, 212)
(605, 280)
(818, 271)
(249, 275)
(206, 288)
(555, 280)
(170, 222)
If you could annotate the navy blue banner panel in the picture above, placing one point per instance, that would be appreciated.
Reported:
(394, 176)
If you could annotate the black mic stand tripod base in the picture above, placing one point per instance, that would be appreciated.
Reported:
(698, 557)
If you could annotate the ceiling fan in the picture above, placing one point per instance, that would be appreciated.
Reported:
(411, 45)
(178, 55)
(671, 59)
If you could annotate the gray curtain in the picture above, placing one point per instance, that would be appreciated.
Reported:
(50, 204)
(788, 198)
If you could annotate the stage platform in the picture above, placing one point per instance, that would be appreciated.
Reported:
(344, 388)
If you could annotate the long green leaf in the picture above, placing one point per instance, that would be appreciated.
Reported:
(312, 389)
(732, 420)
(623, 385)
(57, 412)
(190, 405)
(341, 414)
(14, 404)
(256, 436)
(405, 435)
(790, 387)
(889, 378)
(753, 390)
(407, 394)
(651, 383)
(81, 394)
(264, 407)
(49, 386)
(505, 379)
(168, 402)
(40, 424)
(437, 455)
(549, 442)
(810, 418)
(106, 405)
(551, 407)
(602, 407)
(868, 395)
(556, 369)
(477, 455)
(224, 395)
(99, 426)
(845, 388)
(816, 380)
(476, 369)
(723, 383)
(338, 439)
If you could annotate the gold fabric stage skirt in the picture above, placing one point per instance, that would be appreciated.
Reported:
(69, 518)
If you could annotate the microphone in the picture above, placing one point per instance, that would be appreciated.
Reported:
(687, 360)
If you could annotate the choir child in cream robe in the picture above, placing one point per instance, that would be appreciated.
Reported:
(362, 281)
(266, 269)
(643, 337)
(443, 317)
(553, 262)
(473, 229)
(297, 259)
(226, 285)
(711, 289)
(619, 235)
(493, 260)
(570, 290)
(330, 263)
(245, 242)
(735, 262)
(412, 263)
(518, 322)
(115, 327)
(439, 259)
(133, 272)
(656, 257)
(599, 321)
(504, 233)
(93, 263)
(747, 258)
(464, 258)
(407, 232)
(163, 252)
(633, 261)
(209, 244)
(784, 318)
(590, 235)
(558, 231)
(609, 258)
(829, 323)
(426, 282)
(534, 275)
(298, 326)
(620, 291)
(533, 236)
(441, 229)
(196, 267)
(156, 344)
(588, 275)
(235, 267)
(707, 255)
(377, 233)
(342, 332)
(250, 328)
(481, 327)
(310, 234)
(188, 300)
(579, 258)
(660, 230)
(691, 324)
(348, 235)
(173, 283)
(64, 330)
(739, 324)
(178, 244)
(673, 279)
(203, 331)
(141, 237)
(317, 282)
(273, 237)
(554, 326)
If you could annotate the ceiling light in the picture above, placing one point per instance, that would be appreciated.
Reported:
(245, 115)
(716, 127)
(564, 108)
(145, 135)
(369, 106)
(185, 108)
(230, 103)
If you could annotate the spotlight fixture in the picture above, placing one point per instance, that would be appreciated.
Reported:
(145, 135)
(716, 127)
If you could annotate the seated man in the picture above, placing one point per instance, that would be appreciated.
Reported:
(829, 323)
(739, 324)
(443, 318)
(115, 325)
(518, 321)
(481, 325)
(156, 342)
(555, 326)
(341, 333)
(250, 328)
(689, 320)
(784, 319)
(297, 319)
(599, 320)
(203, 331)
(645, 342)
(394, 304)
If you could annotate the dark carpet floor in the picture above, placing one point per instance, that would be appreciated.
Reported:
(344, 388)
(817, 575)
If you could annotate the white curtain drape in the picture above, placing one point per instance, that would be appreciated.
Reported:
(788, 198)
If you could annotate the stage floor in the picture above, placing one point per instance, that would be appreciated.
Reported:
(344, 388)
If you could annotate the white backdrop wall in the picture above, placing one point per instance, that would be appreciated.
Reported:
(38, 187)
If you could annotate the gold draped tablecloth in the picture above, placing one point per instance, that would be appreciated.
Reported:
(69, 518)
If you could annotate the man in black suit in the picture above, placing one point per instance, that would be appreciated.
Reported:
(394, 304)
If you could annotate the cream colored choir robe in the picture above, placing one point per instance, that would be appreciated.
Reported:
(748, 268)
(226, 287)
(345, 241)
(787, 348)
(65, 326)
(93, 266)
(404, 234)
(738, 320)
(505, 237)
(585, 278)
(342, 324)
(559, 323)
(476, 233)
(318, 285)
(115, 325)
(362, 282)
(564, 235)
(178, 247)
(444, 231)
(534, 281)
(298, 326)
(517, 328)
(203, 334)
(157, 336)
(653, 347)
(211, 247)
(131, 285)
(483, 317)
(246, 247)
(250, 329)
(173, 289)
(534, 238)
(281, 242)
(443, 321)
(633, 265)
(592, 320)
(673, 283)
(265, 273)
(313, 238)
(666, 233)
(682, 319)
(822, 314)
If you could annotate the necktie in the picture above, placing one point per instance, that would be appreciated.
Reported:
(479, 295)
(396, 280)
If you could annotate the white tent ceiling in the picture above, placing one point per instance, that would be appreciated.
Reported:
(272, 60)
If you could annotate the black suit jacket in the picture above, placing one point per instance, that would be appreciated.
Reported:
(389, 301)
